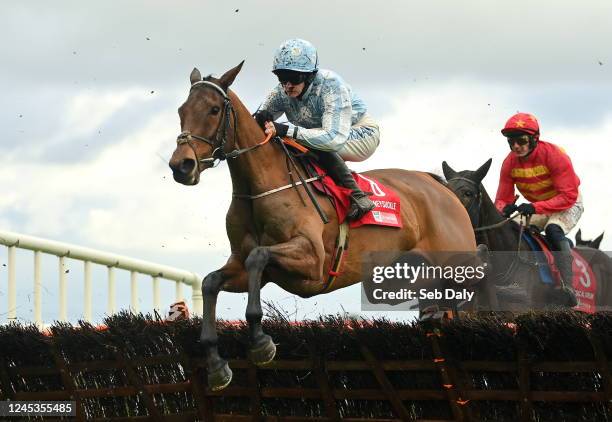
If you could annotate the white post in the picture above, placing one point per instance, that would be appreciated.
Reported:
(88, 256)
(87, 298)
(156, 305)
(178, 291)
(37, 291)
(63, 312)
(110, 304)
(196, 298)
(134, 291)
(12, 285)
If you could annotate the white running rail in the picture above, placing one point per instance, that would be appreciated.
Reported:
(91, 256)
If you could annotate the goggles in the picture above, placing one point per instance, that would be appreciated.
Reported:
(521, 140)
(294, 78)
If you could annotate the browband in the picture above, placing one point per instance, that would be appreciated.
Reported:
(214, 85)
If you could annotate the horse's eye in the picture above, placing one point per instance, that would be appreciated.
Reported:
(215, 110)
(468, 193)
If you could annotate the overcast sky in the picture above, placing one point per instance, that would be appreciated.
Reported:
(89, 92)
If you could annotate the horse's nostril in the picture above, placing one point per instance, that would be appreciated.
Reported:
(187, 166)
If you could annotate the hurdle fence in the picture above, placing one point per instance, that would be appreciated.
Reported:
(89, 257)
(535, 367)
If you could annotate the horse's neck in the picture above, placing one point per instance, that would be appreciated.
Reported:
(260, 169)
(502, 238)
(488, 212)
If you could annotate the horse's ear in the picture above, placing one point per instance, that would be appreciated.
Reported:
(579, 237)
(228, 77)
(597, 241)
(195, 76)
(482, 171)
(449, 173)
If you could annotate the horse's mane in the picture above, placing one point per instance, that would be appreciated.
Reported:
(438, 179)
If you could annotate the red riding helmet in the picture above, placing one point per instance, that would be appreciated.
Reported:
(522, 122)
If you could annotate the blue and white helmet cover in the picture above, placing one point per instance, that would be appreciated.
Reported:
(296, 54)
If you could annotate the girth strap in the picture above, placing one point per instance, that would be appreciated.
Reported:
(341, 247)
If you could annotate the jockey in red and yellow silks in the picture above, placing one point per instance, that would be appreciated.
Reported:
(545, 177)
(543, 173)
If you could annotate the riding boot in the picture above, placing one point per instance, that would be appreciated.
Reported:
(564, 264)
(564, 260)
(335, 167)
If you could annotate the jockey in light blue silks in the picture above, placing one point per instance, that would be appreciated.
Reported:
(324, 114)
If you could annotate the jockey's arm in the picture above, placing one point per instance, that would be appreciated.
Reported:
(505, 190)
(335, 120)
(273, 104)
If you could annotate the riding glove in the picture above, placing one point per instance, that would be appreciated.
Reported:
(509, 209)
(281, 129)
(263, 116)
(526, 209)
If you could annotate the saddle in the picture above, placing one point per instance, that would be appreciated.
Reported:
(387, 210)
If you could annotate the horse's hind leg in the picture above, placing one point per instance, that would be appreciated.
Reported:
(219, 373)
(262, 347)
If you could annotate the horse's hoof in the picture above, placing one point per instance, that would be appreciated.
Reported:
(220, 378)
(263, 352)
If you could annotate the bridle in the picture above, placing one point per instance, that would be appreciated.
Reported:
(219, 154)
(220, 139)
(475, 203)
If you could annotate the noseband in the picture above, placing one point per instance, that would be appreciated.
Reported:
(218, 143)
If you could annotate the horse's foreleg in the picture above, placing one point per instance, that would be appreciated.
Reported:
(219, 373)
(231, 277)
(299, 256)
(262, 347)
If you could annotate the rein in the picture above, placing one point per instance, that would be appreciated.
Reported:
(496, 225)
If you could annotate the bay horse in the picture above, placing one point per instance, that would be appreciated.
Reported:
(275, 237)
(517, 280)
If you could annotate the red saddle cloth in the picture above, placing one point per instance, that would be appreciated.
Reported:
(386, 213)
(584, 281)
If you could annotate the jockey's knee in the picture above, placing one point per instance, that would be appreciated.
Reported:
(554, 231)
(554, 234)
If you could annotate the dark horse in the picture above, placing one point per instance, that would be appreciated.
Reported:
(275, 237)
(516, 278)
(589, 243)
